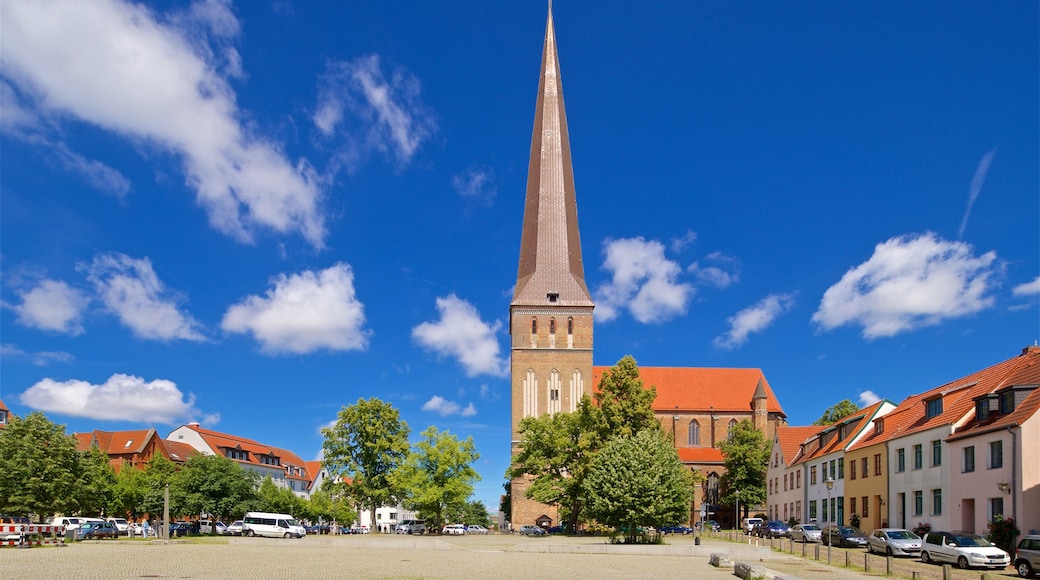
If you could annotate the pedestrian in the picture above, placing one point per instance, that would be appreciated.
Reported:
(144, 529)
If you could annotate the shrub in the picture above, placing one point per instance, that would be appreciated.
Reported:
(1002, 532)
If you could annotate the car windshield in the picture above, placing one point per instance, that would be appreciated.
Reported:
(810, 528)
(971, 540)
(902, 535)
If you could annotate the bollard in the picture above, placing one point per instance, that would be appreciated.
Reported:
(947, 572)
(816, 552)
(888, 565)
(848, 561)
(803, 548)
(914, 575)
(866, 562)
(697, 541)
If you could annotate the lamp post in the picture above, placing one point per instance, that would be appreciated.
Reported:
(740, 527)
(830, 485)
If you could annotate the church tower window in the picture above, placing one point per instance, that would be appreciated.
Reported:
(552, 333)
(694, 436)
(555, 404)
(570, 332)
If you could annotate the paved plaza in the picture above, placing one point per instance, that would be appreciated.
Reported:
(377, 556)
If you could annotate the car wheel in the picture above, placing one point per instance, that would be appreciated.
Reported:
(962, 563)
(287, 535)
(1024, 569)
(250, 533)
(926, 558)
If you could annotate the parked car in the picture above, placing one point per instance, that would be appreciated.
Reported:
(531, 530)
(64, 522)
(894, 542)
(843, 537)
(97, 531)
(235, 528)
(806, 533)
(684, 530)
(748, 524)
(121, 524)
(776, 529)
(709, 526)
(211, 527)
(1027, 556)
(477, 529)
(963, 549)
(454, 530)
(178, 529)
(411, 527)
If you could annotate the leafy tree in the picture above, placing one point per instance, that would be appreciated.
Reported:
(438, 474)
(505, 505)
(39, 467)
(368, 442)
(638, 481)
(97, 491)
(469, 513)
(158, 473)
(625, 407)
(322, 505)
(746, 458)
(273, 498)
(129, 492)
(837, 412)
(556, 451)
(215, 485)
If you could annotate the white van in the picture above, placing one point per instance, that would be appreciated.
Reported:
(271, 525)
(749, 524)
(411, 527)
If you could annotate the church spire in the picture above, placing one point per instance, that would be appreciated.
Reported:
(551, 269)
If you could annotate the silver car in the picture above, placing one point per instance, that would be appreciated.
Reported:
(894, 542)
(806, 533)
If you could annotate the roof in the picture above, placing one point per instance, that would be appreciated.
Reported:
(115, 442)
(791, 438)
(550, 247)
(957, 396)
(700, 454)
(254, 450)
(177, 451)
(695, 388)
(830, 435)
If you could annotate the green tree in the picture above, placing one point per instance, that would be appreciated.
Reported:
(505, 505)
(556, 451)
(625, 407)
(368, 442)
(639, 481)
(213, 485)
(837, 412)
(158, 473)
(438, 474)
(129, 492)
(39, 467)
(274, 498)
(469, 513)
(746, 457)
(97, 492)
(324, 507)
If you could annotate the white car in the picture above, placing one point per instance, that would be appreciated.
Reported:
(963, 549)
(454, 530)
(806, 533)
(235, 529)
(476, 529)
(894, 542)
(121, 524)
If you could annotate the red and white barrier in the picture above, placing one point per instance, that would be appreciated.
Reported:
(31, 535)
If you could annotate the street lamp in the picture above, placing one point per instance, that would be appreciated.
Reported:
(830, 485)
(740, 527)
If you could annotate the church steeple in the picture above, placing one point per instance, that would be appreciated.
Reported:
(551, 269)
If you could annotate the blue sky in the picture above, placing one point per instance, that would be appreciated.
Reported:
(252, 214)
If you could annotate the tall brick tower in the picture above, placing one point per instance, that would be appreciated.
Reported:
(550, 317)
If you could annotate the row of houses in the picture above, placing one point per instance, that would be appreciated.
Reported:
(951, 458)
(132, 449)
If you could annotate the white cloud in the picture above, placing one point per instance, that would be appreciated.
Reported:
(755, 318)
(477, 184)
(976, 188)
(132, 291)
(680, 244)
(461, 334)
(444, 408)
(386, 112)
(721, 270)
(160, 80)
(40, 359)
(304, 313)
(643, 281)
(120, 398)
(1028, 289)
(868, 398)
(52, 305)
(910, 282)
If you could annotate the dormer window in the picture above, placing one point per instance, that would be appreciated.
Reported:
(553, 297)
(841, 433)
(879, 426)
(1007, 401)
(982, 410)
(933, 407)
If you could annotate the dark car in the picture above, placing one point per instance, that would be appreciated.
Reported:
(758, 530)
(776, 529)
(178, 529)
(97, 531)
(676, 530)
(844, 537)
(709, 526)
(556, 530)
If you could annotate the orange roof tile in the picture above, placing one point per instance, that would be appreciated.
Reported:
(830, 433)
(178, 452)
(694, 388)
(700, 454)
(791, 439)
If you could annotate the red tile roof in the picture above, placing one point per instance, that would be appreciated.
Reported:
(791, 439)
(178, 452)
(700, 454)
(829, 435)
(287, 459)
(692, 388)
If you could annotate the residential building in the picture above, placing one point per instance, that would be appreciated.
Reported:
(4, 415)
(994, 456)
(133, 448)
(284, 467)
(786, 479)
(919, 454)
(823, 460)
(866, 481)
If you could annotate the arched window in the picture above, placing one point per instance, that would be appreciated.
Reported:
(552, 326)
(534, 326)
(694, 436)
(732, 428)
(570, 332)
